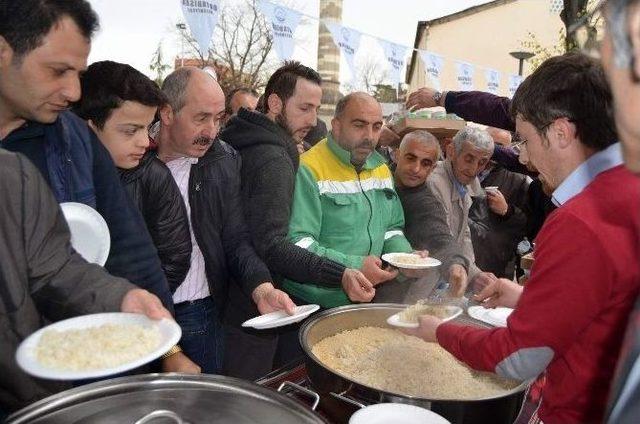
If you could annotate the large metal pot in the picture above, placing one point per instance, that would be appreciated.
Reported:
(497, 409)
(167, 398)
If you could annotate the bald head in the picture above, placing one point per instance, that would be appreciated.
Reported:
(191, 120)
(179, 83)
(356, 126)
(499, 136)
(355, 99)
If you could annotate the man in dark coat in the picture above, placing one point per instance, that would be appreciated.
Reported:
(207, 172)
(267, 142)
(42, 279)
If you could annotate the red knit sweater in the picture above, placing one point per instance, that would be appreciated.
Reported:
(573, 311)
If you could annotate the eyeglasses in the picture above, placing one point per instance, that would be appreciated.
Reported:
(520, 142)
(585, 33)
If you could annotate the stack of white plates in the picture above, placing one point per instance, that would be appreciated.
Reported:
(496, 317)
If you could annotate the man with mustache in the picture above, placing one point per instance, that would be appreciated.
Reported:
(44, 47)
(455, 181)
(267, 143)
(344, 206)
(207, 172)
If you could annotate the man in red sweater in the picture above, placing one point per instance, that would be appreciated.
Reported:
(570, 318)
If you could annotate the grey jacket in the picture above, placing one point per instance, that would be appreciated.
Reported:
(426, 226)
(456, 208)
(41, 278)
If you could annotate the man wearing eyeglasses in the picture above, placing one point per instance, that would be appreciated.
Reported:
(568, 320)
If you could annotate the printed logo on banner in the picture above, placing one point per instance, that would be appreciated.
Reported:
(284, 22)
(280, 14)
(465, 76)
(345, 34)
(395, 55)
(348, 40)
(202, 17)
(493, 81)
(433, 67)
(199, 4)
(514, 83)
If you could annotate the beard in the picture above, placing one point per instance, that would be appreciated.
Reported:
(358, 159)
(283, 122)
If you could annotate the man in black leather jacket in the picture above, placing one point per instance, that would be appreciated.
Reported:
(207, 172)
(119, 103)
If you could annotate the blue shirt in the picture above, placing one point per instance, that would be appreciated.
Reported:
(586, 172)
(462, 190)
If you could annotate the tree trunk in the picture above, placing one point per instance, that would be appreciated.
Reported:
(573, 10)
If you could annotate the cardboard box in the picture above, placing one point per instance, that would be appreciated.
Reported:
(441, 128)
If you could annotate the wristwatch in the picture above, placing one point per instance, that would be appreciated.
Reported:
(437, 97)
(175, 349)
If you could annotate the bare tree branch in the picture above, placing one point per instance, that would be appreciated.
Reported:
(242, 47)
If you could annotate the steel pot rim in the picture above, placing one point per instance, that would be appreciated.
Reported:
(107, 388)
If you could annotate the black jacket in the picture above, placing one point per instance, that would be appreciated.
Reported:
(155, 193)
(270, 162)
(218, 224)
(496, 237)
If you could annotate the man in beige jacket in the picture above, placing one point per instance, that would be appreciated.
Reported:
(454, 182)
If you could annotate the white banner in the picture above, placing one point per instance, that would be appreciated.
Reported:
(202, 17)
(284, 22)
(493, 80)
(348, 40)
(395, 55)
(514, 83)
(433, 67)
(464, 75)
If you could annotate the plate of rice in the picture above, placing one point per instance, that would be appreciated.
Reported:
(97, 345)
(410, 261)
(408, 318)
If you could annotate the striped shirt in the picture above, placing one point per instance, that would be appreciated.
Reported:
(195, 285)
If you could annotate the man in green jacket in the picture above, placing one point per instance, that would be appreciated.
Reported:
(345, 207)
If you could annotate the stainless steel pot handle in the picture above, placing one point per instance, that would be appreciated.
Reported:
(347, 399)
(161, 413)
(311, 393)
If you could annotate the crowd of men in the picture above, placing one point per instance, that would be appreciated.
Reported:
(223, 207)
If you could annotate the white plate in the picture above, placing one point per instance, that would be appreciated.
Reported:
(89, 232)
(454, 312)
(392, 413)
(280, 318)
(496, 317)
(427, 262)
(170, 334)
